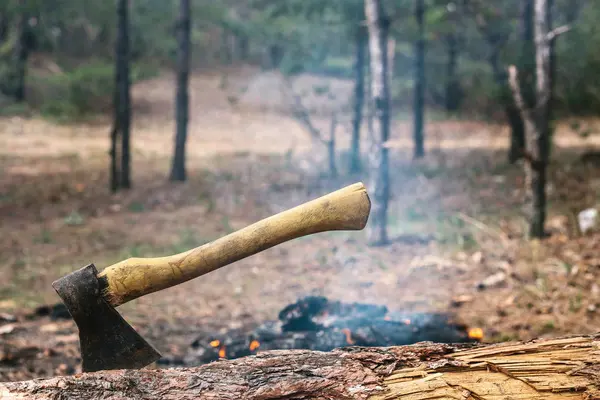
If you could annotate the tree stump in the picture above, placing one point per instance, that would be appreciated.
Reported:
(565, 368)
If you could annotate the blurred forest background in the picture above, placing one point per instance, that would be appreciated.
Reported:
(145, 128)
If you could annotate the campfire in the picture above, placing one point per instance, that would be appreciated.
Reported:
(317, 323)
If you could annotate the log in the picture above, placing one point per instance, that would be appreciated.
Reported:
(564, 368)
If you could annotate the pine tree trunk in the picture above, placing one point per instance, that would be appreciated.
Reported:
(182, 98)
(333, 172)
(359, 98)
(419, 91)
(554, 369)
(452, 85)
(124, 104)
(513, 117)
(114, 163)
(226, 56)
(552, 67)
(378, 26)
(537, 123)
(3, 27)
(527, 73)
(20, 54)
(541, 139)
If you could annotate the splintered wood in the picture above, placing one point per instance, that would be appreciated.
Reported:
(556, 369)
(566, 368)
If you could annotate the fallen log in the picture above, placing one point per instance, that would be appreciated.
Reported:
(565, 368)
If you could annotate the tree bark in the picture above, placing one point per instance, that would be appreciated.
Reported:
(226, 56)
(114, 162)
(419, 93)
(552, 65)
(542, 115)
(527, 72)
(378, 26)
(123, 107)
(359, 98)
(333, 172)
(527, 61)
(565, 368)
(537, 123)
(20, 53)
(452, 84)
(513, 117)
(182, 98)
(3, 27)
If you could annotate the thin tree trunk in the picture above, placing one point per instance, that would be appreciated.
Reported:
(542, 114)
(226, 56)
(182, 99)
(419, 93)
(333, 173)
(124, 104)
(20, 53)
(3, 27)
(452, 92)
(527, 61)
(114, 163)
(243, 46)
(378, 26)
(537, 126)
(552, 67)
(359, 98)
(527, 73)
(551, 369)
(513, 117)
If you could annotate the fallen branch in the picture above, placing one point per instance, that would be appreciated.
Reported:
(567, 368)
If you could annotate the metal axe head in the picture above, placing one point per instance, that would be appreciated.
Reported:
(107, 341)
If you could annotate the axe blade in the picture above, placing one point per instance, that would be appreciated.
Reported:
(106, 340)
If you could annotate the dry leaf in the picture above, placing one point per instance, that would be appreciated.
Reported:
(6, 329)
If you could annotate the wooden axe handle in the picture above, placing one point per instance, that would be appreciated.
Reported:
(345, 209)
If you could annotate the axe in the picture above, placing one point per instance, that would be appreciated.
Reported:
(107, 341)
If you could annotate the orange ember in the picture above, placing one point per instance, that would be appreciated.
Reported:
(255, 344)
(222, 353)
(215, 343)
(406, 321)
(348, 335)
(476, 333)
(387, 318)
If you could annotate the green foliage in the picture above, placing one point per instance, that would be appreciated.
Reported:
(83, 92)
(578, 62)
(78, 93)
(312, 36)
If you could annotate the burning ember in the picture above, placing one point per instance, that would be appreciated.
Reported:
(255, 344)
(476, 333)
(317, 323)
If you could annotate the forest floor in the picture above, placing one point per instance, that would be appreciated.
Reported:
(456, 218)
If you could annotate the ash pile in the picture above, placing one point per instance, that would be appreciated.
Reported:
(317, 323)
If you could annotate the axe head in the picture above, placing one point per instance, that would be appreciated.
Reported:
(106, 340)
